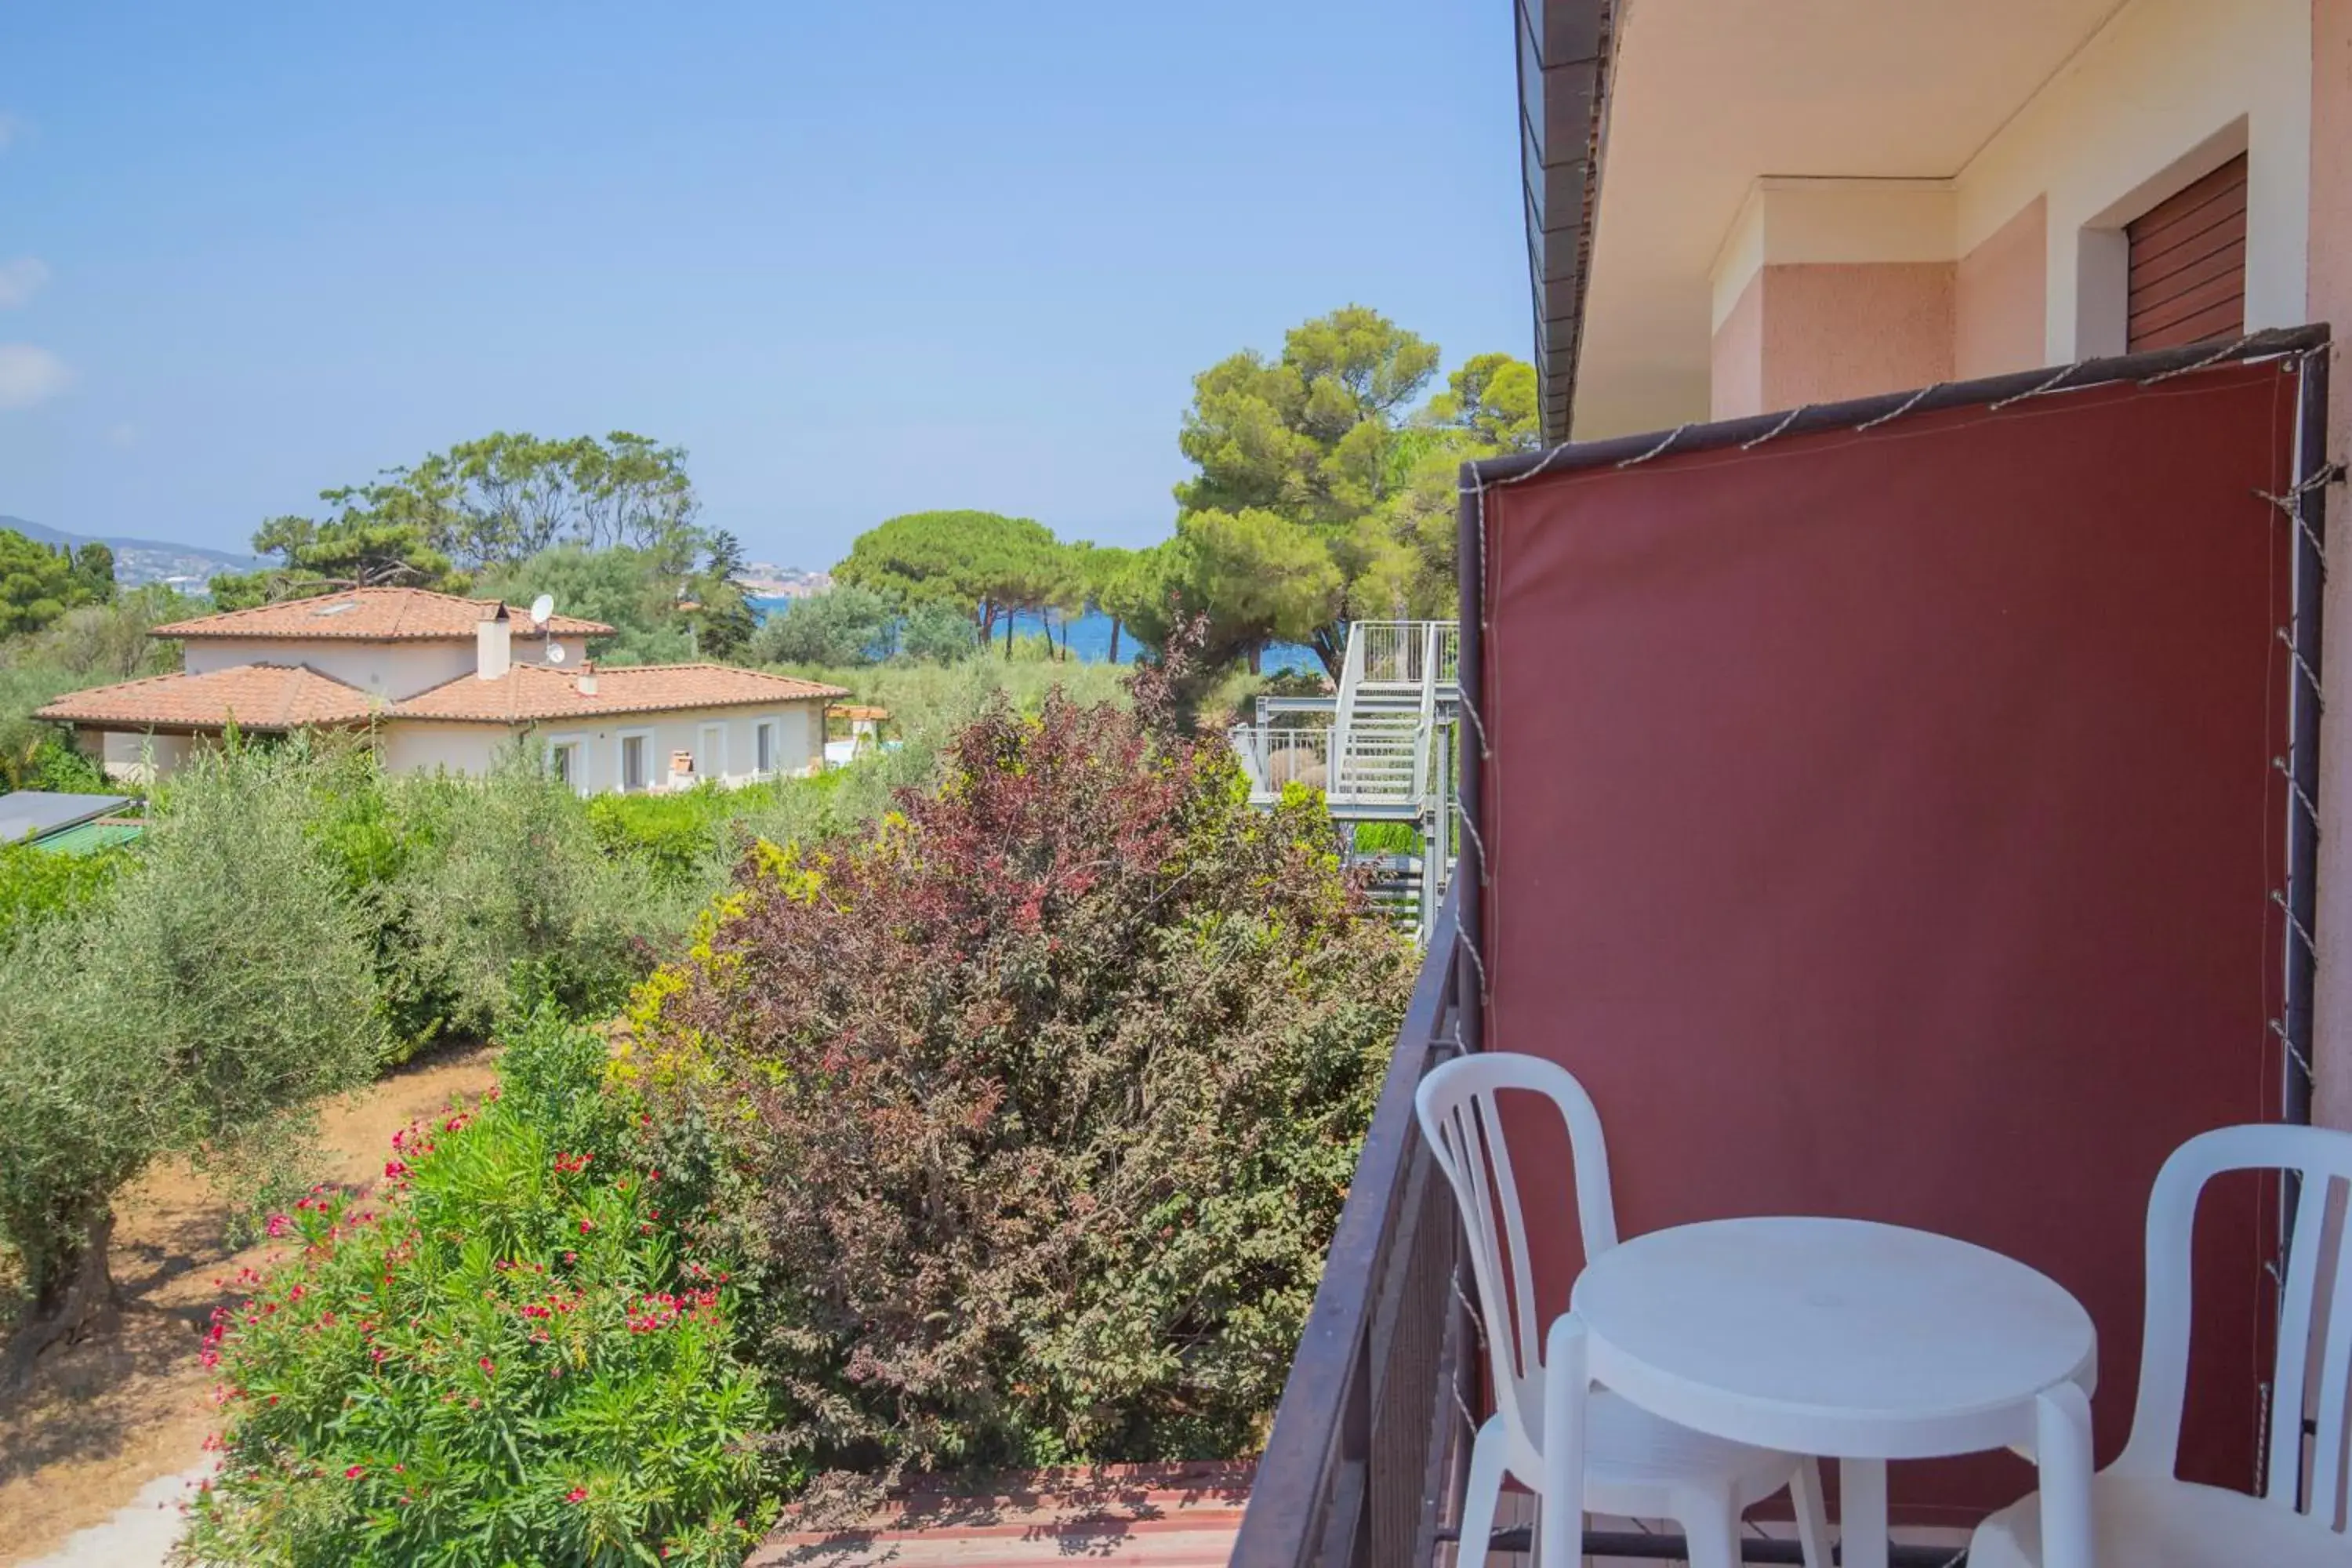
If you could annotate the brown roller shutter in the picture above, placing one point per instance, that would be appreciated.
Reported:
(2189, 263)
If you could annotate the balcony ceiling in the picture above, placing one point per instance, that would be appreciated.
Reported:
(1708, 95)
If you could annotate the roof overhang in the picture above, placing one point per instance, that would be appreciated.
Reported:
(1685, 105)
(590, 720)
(210, 727)
(1563, 48)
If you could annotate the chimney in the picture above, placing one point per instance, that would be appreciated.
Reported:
(493, 644)
(586, 684)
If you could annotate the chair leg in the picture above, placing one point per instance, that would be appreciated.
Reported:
(1712, 1534)
(1484, 1491)
(1812, 1512)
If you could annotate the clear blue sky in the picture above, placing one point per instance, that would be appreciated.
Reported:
(860, 259)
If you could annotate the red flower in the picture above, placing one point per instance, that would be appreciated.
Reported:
(486, 1365)
(355, 1473)
(577, 1494)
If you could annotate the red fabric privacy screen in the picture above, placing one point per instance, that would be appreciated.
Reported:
(1882, 822)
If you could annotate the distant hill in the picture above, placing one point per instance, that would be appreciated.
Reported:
(139, 562)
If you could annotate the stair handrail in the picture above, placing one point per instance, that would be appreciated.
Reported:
(1352, 677)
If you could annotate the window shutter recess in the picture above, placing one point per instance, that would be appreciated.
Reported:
(2189, 264)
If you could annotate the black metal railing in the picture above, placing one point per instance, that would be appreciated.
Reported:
(1364, 1459)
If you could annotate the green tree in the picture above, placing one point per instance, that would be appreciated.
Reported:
(936, 633)
(1409, 566)
(634, 492)
(220, 985)
(1258, 578)
(492, 503)
(846, 626)
(636, 592)
(713, 600)
(359, 549)
(991, 567)
(1098, 574)
(1141, 594)
(94, 565)
(1492, 399)
(1306, 443)
(38, 583)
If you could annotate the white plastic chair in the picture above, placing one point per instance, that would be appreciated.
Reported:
(1636, 1464)
(2142, 1516)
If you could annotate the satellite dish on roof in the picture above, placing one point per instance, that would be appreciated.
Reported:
(555, 653)
(542, 608)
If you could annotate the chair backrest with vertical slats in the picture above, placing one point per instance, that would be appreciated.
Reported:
(1459, 1116)
(2314, 1313)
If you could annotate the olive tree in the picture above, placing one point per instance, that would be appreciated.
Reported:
(220, 985)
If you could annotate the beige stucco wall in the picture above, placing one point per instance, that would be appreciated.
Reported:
(1833, 331)
(387, 670)
(408, 746)
(136, 759)
(1736, 375)
(1831, 289)
(2001, 297)
(727, 755)
(2330, 299)
(2163, 93)
(2166, 91)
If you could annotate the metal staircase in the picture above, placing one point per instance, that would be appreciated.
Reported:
(1381, 749)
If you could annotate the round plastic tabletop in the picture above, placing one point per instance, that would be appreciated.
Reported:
(1834, 1337)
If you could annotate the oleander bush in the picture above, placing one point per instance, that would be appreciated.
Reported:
(1032, 1107)
(516, 1355)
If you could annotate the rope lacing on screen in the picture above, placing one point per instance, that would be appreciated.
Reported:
(1672, 436)
(2302, 796)
(1787, 419)
(2310, 675)
(2290, 505)
(2041, 390)
(2227, 351)
(1900, 409)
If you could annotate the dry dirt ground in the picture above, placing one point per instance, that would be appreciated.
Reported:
(104, 1418)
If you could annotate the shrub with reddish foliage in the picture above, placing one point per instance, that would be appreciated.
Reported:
(1033, 1110)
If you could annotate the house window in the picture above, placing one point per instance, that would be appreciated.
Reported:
(710, 761)
(633, 763)
(563, 761)
(2189, 264)
(764, 747)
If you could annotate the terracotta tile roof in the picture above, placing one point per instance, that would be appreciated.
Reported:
(252, 696)
(1165, 1516)
(531, 692)
(374, 614)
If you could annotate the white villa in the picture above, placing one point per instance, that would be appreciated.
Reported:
(444, 682)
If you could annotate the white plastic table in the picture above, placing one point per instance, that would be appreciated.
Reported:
(1848, 1340)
